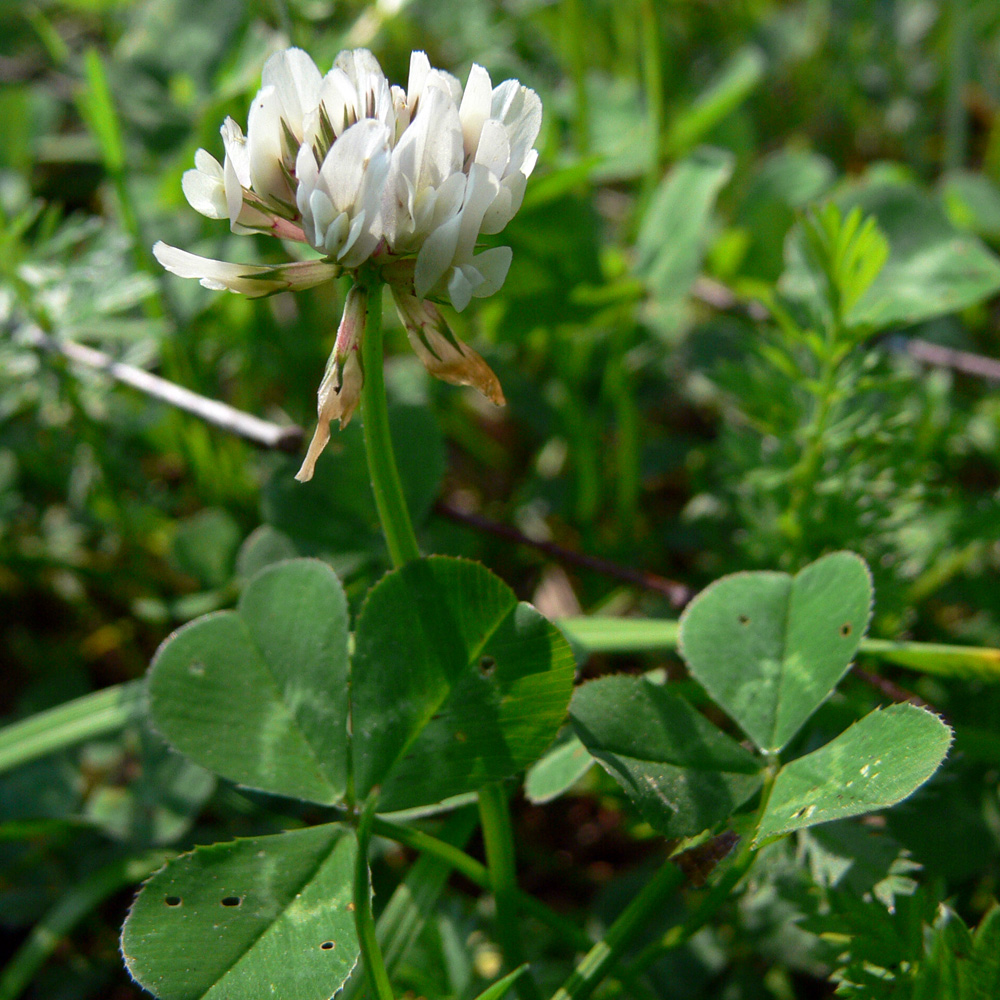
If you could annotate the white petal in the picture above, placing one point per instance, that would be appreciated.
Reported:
(307, 176)
(374, 98)
(427, 155)
(435, 256)
(445, 82)
(205, 189)
(507, 100)
(479, 194)
(431, 148)
(323, 214)
(345, 165)
(520, 110)
(234, 193)
(506, 204)
(449, 198)
(339, 97)
(492, 265)
(296, 80)
(361, 67)
(306, 168)
(460, 287)
(357, 224)
(528, 163)
(252, 280)
(401, 109)
(207, 164)
(420, 66)
(236, 150)
(476, 103)
(265, 145)
(493, 150)
(336, 234)
(215, 274)
(369, 207)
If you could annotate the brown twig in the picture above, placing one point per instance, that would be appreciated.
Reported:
(890, 689)
(260, 432)
(678, 594)
(947, 357)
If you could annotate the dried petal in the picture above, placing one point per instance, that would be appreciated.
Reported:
(442, 353)
(340, 391)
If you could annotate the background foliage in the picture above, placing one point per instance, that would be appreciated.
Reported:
(657, 417)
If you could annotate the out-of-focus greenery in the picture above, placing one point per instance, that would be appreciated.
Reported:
(655, 418)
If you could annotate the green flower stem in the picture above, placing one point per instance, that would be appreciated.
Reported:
(371, 953)
(499, 841)
(603, 957)
(386, 484)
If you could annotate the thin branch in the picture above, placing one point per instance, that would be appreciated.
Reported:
(889, 688)
(260, 432)
(678, 594)
(947, 357)
(718, 296)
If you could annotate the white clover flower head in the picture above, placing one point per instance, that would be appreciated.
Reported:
(376, 178)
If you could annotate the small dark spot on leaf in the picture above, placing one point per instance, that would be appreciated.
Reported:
(327, 945)
(172, 900)
(744, 619)
(231, 900)
(487, 665)
(846, 629)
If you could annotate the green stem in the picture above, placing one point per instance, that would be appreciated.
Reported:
(371, 953)
(110, 710)
(498, 838)
(718, 894)
(603, 957)
(478, 873)
(386, 484)
(806, 471)
(707, 909)
(85, 718)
